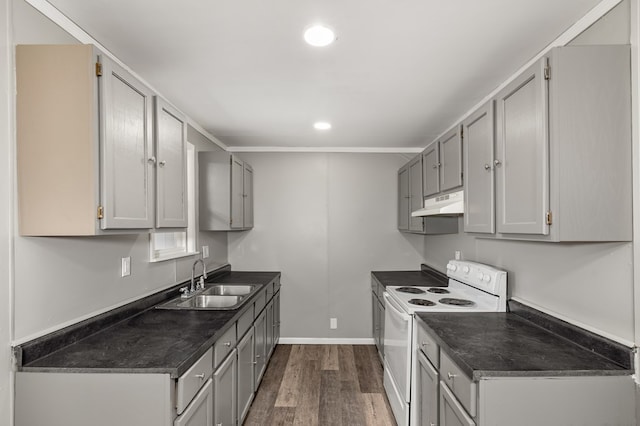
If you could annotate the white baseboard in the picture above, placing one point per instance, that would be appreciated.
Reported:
(324, 341)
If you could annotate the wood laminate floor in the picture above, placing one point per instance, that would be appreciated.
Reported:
(322, 385)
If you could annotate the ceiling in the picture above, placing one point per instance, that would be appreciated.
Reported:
(399, 74)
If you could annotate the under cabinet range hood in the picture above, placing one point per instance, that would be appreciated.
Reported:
(451, 204)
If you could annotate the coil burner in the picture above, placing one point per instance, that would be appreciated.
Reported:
(438, 290)
(412, 290)
(422, 302)
(456, 302)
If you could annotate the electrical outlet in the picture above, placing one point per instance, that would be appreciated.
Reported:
(126, 266)
(205, 252)
(333, 323)
(458, 255)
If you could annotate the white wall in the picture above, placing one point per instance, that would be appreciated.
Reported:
(59, 281)
(6, 180)
(326, 221)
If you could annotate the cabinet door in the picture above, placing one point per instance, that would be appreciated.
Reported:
(431, 173)
(451, 412)
(246, 380)
(375, 321)
(415, 194)
(403, 199)
(427, 397)
(451, 160)
(248, 196)
(126, 146)
(237, 193)
(260, 326)
(200, 410)
(479, 196)
(270, 328)
(381, 329)
(276, 318)
(224, 393)
(171, 157)
(522, 157)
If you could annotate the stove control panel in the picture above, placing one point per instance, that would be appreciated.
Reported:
(481, 276)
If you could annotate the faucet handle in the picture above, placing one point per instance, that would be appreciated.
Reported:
(185, 292)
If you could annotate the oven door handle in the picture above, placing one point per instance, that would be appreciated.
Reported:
(393, 305)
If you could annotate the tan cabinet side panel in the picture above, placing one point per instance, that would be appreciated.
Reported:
(58, 399)
(57, 140)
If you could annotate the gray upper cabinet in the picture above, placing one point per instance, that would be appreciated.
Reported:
(171, 158)
(563, 153)
(84, 144)
(403, 198)
(442, 162)
(416, 224)
(226, 192)
(431, 162)
(479, 201)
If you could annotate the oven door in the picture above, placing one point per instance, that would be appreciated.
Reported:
(397, 358)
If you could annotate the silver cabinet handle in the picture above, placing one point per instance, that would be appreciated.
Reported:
(255, 363)
(162, 163)
(257, 356)
(487, 167)
(497, 162)
(425, 343)
(451, 376)
(151, 160)
(227, 344)
(200, 376)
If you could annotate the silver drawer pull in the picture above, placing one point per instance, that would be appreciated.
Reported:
(227, 344)
(255, 363)
(487, 167)
(497, 162)
(257, 356)
(451, 376)
(200, 376)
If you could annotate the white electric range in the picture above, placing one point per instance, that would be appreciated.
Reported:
(472, 287)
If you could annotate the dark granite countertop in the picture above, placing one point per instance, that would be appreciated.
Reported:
(152, 341)
(426, 277)
(507, 345)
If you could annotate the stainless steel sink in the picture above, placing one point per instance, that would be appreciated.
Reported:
(209, 301)
(229, 289)
(214, 297)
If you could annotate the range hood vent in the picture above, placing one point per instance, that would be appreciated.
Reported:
(444, 205)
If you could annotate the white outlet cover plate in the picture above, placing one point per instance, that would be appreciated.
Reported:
(205, 252)
(126, 266)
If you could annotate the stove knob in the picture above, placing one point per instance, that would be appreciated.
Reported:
(465, 269)
(452, 267)
(486, 278)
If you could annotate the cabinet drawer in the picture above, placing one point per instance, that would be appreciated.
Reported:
(261, 301)
(193, 379)
(224, 345)
(428, 346)
(245, 321)
(461, 385)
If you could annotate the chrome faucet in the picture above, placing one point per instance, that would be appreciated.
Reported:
(193, 273)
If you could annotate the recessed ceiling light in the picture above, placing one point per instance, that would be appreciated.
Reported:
(319, 36)
(321, 125)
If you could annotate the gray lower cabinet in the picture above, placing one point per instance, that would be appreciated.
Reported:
(276, 318)
(260, 347)
(200, 411)
(270, 326)
(563, 148)
(246, 381)
(451, 411)
(427, 392)
(225, 397)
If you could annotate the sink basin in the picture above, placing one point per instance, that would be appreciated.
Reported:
(214, 297)
(229, 289)
(211, 301)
